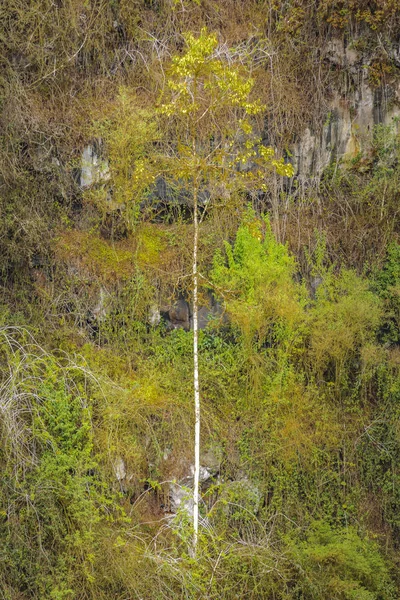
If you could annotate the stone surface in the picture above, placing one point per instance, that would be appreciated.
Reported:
(100, 310)
(179, 314)
(204, 474)
(180, 498)
(154, 315)
(352, 112)
(119, 468)
(180, 492)
(93, 168)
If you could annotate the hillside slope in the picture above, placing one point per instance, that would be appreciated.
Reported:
(299, 287)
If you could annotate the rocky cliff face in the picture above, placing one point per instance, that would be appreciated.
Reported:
(356, 103)
(355, 107)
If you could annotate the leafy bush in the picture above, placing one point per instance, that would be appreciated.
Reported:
(346, 316)
(386, 282)
(340, 565)
(53, 497)
(256, 281)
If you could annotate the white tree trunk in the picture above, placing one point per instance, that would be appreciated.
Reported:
(196, 381)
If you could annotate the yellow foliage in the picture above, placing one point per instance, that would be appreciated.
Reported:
(95, 256)
(344, 318)
(151, 245)
(301, 422)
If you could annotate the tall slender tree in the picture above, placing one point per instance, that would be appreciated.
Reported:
(209, 151)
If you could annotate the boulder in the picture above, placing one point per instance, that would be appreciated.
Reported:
(93, 168)
(119, 468)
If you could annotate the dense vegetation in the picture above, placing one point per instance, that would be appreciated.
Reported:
(300, 359)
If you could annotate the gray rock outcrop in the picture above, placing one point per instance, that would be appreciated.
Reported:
(353, 110)
(93, 168)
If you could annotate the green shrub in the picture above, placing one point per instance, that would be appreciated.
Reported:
(339, 565)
